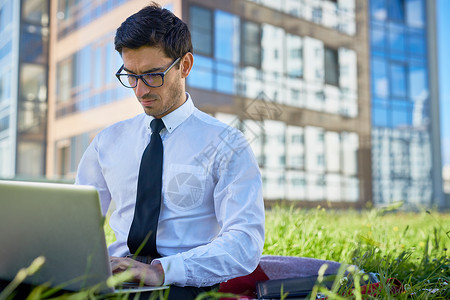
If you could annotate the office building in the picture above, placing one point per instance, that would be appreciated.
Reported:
(335, 114)
(406, 158)
(292, 76)
(24, 35)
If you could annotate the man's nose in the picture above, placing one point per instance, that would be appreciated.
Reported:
(141, 88)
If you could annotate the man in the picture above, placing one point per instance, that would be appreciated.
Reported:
(210, 226)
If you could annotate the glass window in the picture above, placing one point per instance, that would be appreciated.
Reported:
(2, 18)
(293, 7)
(380, 116)
(294, 56)
(378, 37)
(396, 38)
(398, 80)
(4, 123)
(418, 83)
(251, 44)
(401, 114)
(2, 88)
(83, 64)
(33, 83)
(5, 85)
(226, 36)
(225, 82)
(33, 46)
(378, 9)
(202, 75)
(380, 83)
(63, 9)
(110, 67)
(98, 67)
(63, 162)
(5, 158)
(30, 159)
(64, 80)
(78, 145)
(331, 66)
(317, 14)
(415, 13)
(417, 43)
(396, 10)
(6, 49)
(35, 11)
(201, 29)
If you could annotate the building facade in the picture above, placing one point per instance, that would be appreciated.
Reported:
(296, 63)
(24, 36)
(335, 114)
(292, 76)
(405, 103)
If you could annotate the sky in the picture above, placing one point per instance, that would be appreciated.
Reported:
(443, 21)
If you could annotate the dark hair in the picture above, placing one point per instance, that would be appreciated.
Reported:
(155, 27)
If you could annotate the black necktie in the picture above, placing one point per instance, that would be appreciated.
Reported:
(148, 199)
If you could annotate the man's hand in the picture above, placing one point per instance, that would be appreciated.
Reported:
(152, 275)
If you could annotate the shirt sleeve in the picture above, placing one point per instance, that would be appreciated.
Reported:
(90, 173)
(239, 208)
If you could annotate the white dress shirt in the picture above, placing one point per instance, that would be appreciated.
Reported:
(211, 223)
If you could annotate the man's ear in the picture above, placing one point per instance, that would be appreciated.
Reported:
(186, 64)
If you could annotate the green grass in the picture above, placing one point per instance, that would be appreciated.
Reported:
(412, 247)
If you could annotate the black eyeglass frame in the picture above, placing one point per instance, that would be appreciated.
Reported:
(141, 76)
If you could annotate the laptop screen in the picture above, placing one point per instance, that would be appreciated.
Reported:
(60, 222)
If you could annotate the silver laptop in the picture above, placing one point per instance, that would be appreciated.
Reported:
(62, 223)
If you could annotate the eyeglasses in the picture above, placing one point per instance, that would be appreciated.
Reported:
(151, 79)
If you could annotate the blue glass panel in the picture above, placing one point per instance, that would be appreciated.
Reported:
(225, 78)
(201, 42)
(380, 116)
(226, 37)
(401, 114)
(378, 37)
(201, 31)
(98, 71)
(6, 49)
(378, 9)
(5, 88)
(398, 80)
(84, 66)
(418, 83)
(380, 83)
(4, 123)
(416, 44)
(396, 38)
(399, 57)
(396, 10)
(379, 52)
(202, 75)
(97, 12)
(415, 13)
(110, 68)
(4, 13)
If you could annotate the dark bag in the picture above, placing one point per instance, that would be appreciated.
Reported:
(295, 288)
(301, 287)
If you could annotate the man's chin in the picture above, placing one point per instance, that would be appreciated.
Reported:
(152, 112)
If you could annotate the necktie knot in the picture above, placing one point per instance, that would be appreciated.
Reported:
(156, 125)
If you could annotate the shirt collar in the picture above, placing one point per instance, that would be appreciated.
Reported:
(175, 118)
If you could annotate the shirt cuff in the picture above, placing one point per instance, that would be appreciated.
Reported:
(173, 267)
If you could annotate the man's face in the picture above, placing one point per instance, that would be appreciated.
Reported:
(162, 100)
